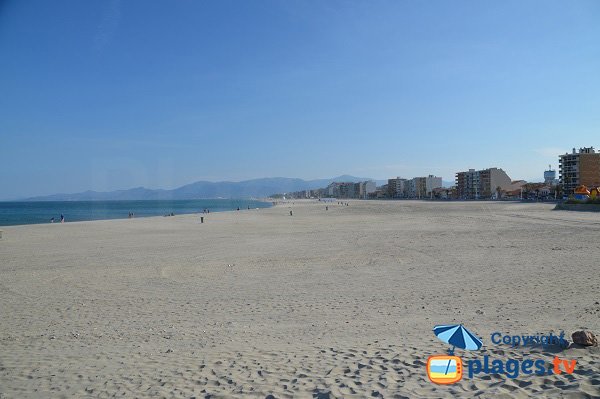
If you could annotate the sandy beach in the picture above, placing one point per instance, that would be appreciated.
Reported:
(325, 303)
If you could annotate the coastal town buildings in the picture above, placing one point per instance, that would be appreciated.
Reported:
(397, 187)
(579, 168)
(432, 182)
(479, 184)
(365, 188)
(417, 187)
(349, 190)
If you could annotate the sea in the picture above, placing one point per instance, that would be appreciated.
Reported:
(17, 213)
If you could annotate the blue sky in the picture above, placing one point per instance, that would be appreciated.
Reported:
(114, 94)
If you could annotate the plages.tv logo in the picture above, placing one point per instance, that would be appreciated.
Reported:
(448, 369)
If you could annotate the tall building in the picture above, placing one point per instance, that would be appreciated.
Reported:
(417, 187)
(577, 168)
(432, 182)
(365, 188)
(485, 183)
(397, 188)
(550, 176)
(350, 189)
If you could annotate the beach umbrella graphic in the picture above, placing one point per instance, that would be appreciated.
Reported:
(457, 336)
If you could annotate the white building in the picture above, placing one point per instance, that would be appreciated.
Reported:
(432, 182)
(366, 188)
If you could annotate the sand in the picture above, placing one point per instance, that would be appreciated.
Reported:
(337, 303)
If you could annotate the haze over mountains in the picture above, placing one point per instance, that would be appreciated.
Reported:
(256, 188)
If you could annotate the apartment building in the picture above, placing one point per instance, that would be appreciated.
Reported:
(579, 167)
(432, 182)
(350, 189)
(479, 184)
(417, 187)
(397, 188)
(365, 188)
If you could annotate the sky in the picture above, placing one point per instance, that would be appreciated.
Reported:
(105, 95)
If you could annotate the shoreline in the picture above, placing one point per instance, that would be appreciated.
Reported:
(137, 216)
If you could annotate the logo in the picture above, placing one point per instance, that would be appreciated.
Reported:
(443, 369)
(448, 369)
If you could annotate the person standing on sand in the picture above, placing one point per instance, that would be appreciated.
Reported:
(62, 218)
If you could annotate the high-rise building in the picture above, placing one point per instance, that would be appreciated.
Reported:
(350, 189)
(432, 182)
(579, 167)
(365, 188)
(397, 188)
(485, 183)
(550, 176)
(417, 187)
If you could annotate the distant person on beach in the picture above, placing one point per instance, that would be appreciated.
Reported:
(52, 219)
(62, 218)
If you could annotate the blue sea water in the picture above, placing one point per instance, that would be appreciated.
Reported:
(16, 213)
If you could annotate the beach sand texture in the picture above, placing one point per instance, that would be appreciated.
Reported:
(325, 304)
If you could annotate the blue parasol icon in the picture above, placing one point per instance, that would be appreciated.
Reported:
(457, 336)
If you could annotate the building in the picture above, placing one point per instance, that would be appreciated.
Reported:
(480, 184)
(579, 168)
(417, 187)
(550, 176)
(432, 182)
(348, 190)
(397, 188)
(442, 193)
(365, 188)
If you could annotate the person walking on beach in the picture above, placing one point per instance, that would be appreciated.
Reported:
(62, 218)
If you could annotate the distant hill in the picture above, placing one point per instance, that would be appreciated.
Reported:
(256, 188)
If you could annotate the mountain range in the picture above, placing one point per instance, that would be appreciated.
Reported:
(256, 188)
